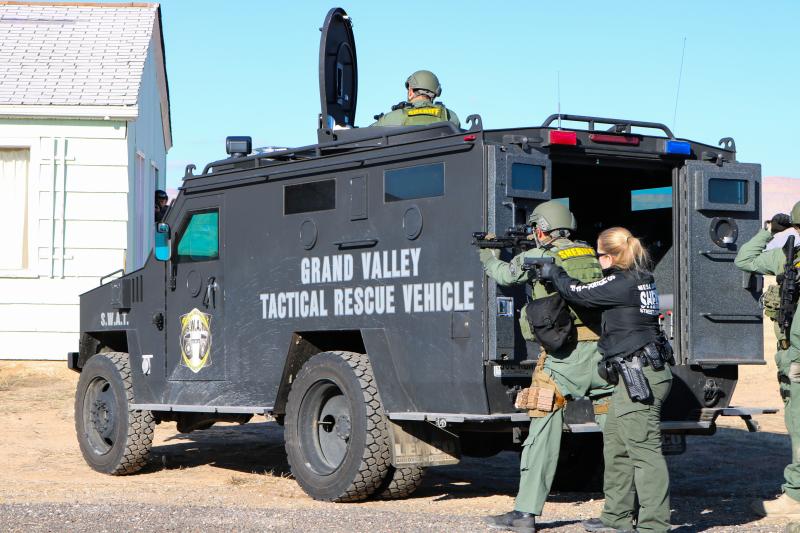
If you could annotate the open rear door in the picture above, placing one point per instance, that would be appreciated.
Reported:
(721, 319)
(338, 73)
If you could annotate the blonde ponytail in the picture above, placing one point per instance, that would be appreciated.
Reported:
(626, 250)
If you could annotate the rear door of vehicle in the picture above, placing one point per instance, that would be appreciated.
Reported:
(721, 320)
(519, 180)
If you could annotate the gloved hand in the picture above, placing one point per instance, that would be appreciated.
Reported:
(487, 254)
(780, 222)
(549, 271)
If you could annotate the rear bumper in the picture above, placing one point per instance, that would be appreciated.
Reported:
(704, 425)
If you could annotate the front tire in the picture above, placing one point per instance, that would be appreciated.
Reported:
(337, 437)
(114, 439)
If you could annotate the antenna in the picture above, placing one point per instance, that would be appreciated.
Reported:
(678, 92)
(558, 85)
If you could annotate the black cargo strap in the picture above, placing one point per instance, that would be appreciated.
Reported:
(783, 378)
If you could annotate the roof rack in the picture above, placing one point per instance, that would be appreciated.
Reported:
(618, 125)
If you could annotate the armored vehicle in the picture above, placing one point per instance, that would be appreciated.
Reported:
(334, 287)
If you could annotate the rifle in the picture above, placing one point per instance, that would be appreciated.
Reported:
(517, 238)
(788, 290)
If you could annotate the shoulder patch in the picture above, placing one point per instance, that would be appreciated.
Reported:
(432, 111)
(577, 251)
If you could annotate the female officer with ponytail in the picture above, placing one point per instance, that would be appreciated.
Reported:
(636, 357)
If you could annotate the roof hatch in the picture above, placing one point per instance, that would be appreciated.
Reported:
(338, 72)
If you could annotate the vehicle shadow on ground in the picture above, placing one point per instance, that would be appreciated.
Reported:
(250, 448)
(711, 483)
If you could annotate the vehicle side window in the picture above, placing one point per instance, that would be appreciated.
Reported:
(421, 181)
(200, 239)
(725, 191)
(308, 197)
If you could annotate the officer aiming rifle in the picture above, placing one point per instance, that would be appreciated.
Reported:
(517, 238)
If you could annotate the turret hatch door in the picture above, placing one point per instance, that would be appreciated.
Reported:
(338, 71)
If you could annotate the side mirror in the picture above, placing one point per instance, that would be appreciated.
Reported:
(162, 246)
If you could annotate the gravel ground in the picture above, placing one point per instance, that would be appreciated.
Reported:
(116, 518)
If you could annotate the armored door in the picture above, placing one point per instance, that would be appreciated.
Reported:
(195, 294)
(721, 320)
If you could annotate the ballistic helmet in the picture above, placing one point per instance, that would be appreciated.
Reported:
(161, 195)
(424, 80)
(796, 213)
(553, 215)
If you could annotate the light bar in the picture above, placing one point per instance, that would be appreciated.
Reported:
(678, 148)
(630, 140)
(568, 138)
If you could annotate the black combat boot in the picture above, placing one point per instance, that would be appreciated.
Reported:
(595, 525)
(513, 521)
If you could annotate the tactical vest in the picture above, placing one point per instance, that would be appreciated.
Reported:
(424, 115)
(578, 259)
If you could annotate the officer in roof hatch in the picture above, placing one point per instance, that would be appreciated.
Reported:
(419, 109)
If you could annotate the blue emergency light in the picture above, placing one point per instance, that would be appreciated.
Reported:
(678, 148)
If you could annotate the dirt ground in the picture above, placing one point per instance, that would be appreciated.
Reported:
(231, 466)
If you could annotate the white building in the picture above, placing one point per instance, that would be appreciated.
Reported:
(84, 132)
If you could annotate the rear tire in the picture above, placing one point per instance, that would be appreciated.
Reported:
(337, 437)
(114, 439)
(401, 482)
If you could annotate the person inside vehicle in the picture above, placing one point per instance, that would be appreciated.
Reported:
(161, 205)
(636, 359)
(419, 109)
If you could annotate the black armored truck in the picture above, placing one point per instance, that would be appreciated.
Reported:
(334, 288)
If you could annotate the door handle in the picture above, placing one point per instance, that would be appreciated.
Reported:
(211, 292)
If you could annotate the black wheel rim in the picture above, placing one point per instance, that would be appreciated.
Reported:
(100, 415)
(324, 427)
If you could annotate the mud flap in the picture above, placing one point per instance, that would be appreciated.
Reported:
(422, 444)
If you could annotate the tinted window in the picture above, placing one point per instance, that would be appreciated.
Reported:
(645, 199)
(307, 197)
(721, 191)
(526, 177)
(423, 181)
(200, 239)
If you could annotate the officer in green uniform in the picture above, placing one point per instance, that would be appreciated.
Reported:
(419, 109)
(753, 257)
(571, 370)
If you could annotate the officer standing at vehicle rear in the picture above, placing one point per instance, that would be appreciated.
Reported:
(755, 257)
(636, 358)
(570, 370)
(419, 109)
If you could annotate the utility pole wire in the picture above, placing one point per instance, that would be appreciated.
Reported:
(678, 92)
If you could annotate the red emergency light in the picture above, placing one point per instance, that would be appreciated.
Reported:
(568, 138)
(630, 140)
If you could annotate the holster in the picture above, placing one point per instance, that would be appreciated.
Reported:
(633, 377)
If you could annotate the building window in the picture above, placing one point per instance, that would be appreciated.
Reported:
(200, 240)
(14, 208)
(421, 181)
(308, 197)
(143, 201)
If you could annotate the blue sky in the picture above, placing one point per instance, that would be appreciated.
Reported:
(250, 68)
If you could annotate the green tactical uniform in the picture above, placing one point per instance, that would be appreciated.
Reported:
(418, 113)
(753, 258)
(574, 369)
(633, 457)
